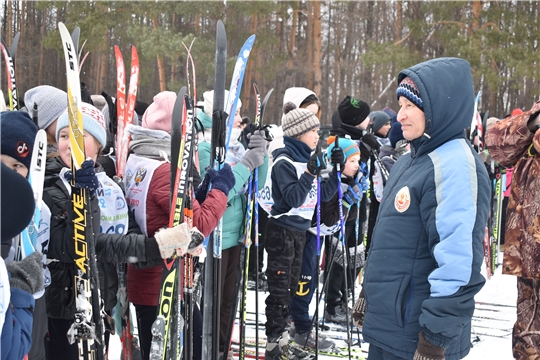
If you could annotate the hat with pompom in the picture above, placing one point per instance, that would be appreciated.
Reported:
(349, 147)
(298, 121)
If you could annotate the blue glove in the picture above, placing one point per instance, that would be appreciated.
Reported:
(223, 180)
(85, 177)
(352, 196)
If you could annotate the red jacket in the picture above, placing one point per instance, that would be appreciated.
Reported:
(144, 284)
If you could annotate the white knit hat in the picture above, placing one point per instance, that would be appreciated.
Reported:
(51, 102)
(93, 122)
(208, 97)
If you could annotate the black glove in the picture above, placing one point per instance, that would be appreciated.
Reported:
(371, 142)
(316, 164)
(27, 274)
(427, 350)
(338, 157)
(85, 177)
(359, 310)
(224, 179)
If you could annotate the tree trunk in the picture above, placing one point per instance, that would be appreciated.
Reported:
(41, 47)
(309, 74)
(160, 64)
(476, 14)
(399, 20)
(317, 48)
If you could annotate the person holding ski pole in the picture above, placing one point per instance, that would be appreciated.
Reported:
(243, 160)
(19, 279)
(351, 119)
(515, 142)
(148, 192)
(17, 139)
(110, 221)
(423, 268)
(293, 192)
(351, 178)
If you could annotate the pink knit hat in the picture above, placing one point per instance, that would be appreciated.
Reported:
(158, 116)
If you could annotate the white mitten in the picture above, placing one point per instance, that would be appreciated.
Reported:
(171, 239)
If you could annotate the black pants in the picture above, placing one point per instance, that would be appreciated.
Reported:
(335, 290)
(263, 221)
(285, 248)
(229, 267)
(39, 330)
(59, 347)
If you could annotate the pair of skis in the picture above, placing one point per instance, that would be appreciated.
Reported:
(87, 329)
(125, 113)
(166, 340)
(223, 114)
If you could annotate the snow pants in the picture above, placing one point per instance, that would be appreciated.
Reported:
(299, 305)
(284, 247)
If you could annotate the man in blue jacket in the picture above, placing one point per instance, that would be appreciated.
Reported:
(423, 269)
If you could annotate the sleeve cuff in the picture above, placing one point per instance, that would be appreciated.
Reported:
(437, 339)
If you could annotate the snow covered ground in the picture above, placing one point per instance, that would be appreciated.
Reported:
(492, 321)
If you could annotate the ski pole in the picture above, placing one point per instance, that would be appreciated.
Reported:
(343, 246)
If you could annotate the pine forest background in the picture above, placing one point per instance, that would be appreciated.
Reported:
(335, 48)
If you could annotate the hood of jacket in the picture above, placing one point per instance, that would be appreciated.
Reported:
(448, 108)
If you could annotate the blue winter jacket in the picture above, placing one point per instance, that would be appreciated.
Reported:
(289, 191)
(423, 268)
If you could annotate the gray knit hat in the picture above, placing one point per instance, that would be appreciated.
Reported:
(51, 102)
(297, 122)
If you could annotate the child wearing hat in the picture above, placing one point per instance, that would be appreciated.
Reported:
(110, 220)
(330, 224)
(17, 143)
(51, 102)
(148, 193)
(293, 191)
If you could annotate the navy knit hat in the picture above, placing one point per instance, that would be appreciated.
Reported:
(395, 134)
(409, 90)
(18, 135)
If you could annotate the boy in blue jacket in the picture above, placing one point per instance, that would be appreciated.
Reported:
(294, 194)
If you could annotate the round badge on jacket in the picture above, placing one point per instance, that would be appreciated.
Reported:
(403, 199)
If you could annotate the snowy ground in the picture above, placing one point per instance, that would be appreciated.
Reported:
(492, 322)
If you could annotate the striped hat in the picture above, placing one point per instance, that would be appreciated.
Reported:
(297, 122)
(409, 90)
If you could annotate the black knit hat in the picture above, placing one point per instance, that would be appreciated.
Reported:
(408, 89)
(297, 122)
(18, 133)
(353, 111)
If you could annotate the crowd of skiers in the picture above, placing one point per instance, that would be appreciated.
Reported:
(408, 189)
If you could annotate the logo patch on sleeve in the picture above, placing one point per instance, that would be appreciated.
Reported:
(403, 199)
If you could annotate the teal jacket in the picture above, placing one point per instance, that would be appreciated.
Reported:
(234, 218)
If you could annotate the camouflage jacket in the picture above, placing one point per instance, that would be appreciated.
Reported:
(510, 143)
